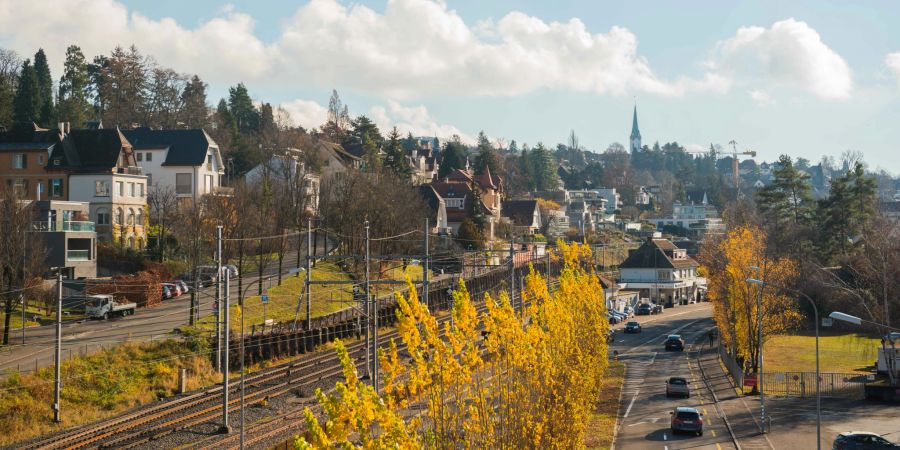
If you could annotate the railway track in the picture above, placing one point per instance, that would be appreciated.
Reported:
(146, 424)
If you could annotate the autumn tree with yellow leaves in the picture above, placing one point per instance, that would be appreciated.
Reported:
(503, 378)
(742, 254)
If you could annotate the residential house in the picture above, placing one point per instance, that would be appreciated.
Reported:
(696, 216)
(437, 208)
(288, 171)
(587, 210)
(613, 200)
(616, 297)
(69, 237)
(101, 169)
(642, 196)
(662, 272)
(423, 163)
(24, 151)
(465, 194)
(186, 161)
(523, 215)
(558, 224)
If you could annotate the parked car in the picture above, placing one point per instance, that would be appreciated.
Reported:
(858, 440)
(622, 316)
(611, 336)
(678, 386)
(629, 311)
(657, 308)
(181, 284)
(633, 327)
(687, 419)
(167, 291)
(174, 289)
(644, 309)
(674, 342)
(232, 270)
(104, 306)
(613, 319)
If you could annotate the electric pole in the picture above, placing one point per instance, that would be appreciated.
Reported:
(218, 301)
(512, 271)
(225, 429)
(368, 308)
(424, 269)
(309, 242)
(59, 304)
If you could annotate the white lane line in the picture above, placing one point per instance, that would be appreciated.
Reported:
(665, 447)
(656, 338)
(631, 403)
(665, 437)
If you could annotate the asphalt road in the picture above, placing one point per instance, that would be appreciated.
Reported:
(87, 336)
(644, 420)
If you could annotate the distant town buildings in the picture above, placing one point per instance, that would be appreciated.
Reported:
(696, 216)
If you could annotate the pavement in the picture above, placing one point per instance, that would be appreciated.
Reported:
(87, 336)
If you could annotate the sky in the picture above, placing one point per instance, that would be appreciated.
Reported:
(803, 78)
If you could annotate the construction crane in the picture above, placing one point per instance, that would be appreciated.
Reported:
(735, 175)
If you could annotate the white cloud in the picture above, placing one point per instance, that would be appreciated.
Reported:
(762, 98)
(412, 119)
(892, 61)
(789, 54)
(306, 113)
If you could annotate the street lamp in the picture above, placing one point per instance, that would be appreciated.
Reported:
(888, 361)
(818, 377)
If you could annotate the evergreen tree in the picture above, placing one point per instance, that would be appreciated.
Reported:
(847, 212)
(487, 156)
(25, 104)
(193, 99)
(543, 168)
(225, 118)
(246, 117)
(74, 89)
(395, 159)
(452, 157)
(46, 114)
(788, 198)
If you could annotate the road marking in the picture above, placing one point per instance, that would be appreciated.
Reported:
(665, 447)
(630, 404)
(656, 338)
(706, 413)
(665, 437)
(713, 432)
(718, 447)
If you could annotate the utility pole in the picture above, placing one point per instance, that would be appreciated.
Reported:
(368, 308)
(225, 429)
(59, 304)
(372, 322)
(425, 270)
(547, 251)
(241, 303)
(218, 301)
(308, 273)
(512, 271)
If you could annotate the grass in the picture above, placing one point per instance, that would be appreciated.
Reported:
(282, 305)
(98, 386)
(838, 352)
(601, 424)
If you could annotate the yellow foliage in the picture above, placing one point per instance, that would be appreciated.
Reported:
(742, 255)
(486, 381)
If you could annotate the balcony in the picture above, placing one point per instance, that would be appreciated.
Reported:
(130, 170)
(78, 255)
(43, 225)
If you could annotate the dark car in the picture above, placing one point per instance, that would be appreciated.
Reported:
(611, 336)
(657, 308)
(633, 327)
(678, 386)
(674, 342)
(687, 419)
(861, 440)
(644, 309)
(167, 292)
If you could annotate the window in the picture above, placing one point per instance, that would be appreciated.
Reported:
(149, 156)
(139, 219)
(130, 216)
(149, 178)
(139, 156)
(183, 183)
(663, 275)
(20, 161)
(118, 216)
(20, 187)
(120, 188)
(102, 216)
(131, 190)
(140, 189)
(209, 159)
(208, 183)
(40, 160)
(56, 187)
(101, 188)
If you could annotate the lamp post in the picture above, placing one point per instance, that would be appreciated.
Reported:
(888, 360)
(816, 315)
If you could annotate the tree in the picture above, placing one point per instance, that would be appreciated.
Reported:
(788, 198)
(338, 120)
(46, 114)
(453, 157)
(74, 89)
(543, 168)
(163, 204)
(394, 159)
(246, 117)
(487, 157)
(193, 100)
(9, 79)
(25, 105)
(469, 236)
(20, 254)
(728, 264)
(120, 82)
(846, 213)
(163, 108)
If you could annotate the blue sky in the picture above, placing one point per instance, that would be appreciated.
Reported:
(805, 78)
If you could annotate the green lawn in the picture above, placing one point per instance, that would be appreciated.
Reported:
(840, 353)
(44, 317)
(282, 306)
(602, 421)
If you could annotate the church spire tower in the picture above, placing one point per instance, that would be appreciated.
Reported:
(635, 134)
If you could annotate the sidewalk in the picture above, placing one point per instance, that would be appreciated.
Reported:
(742, 412)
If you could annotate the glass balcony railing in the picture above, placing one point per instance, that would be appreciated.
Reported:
(59, 225)
(78, 255)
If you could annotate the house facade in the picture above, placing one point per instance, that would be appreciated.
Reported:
(24, 151)
(662, 272)
(286, 172)
(69, 237)
(523, 215)
(188, 162)
(437, 207)
(465, 195)
(696, 216)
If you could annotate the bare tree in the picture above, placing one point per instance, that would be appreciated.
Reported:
(163, 202)
(21, 260)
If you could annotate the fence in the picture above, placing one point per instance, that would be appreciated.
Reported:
(803, 384)
(737, 373)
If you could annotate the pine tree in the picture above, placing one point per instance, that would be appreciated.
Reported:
(74, 89)
(195, 109)
(25, 104)
(788, 198)
(452, 157)
(241, 106)
(487, 156)
(846, 213)
(543, 168)
(395, 159)
(46, 114)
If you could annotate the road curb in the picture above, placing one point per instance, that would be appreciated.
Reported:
(612, 445)
(716, 399)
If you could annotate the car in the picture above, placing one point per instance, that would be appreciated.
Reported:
(611, 336)
(620, 315)
(674, 342)
(176, 290)
(686, 419)
(629, 311)
(182, 286)
(613, 319)
(644, 309)
(167, 292)
(232, 270)
(633, 327)
(853, 440)
(658, 309)
(678, 386)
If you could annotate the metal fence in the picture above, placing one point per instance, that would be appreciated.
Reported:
(737, 373)
(803, 384)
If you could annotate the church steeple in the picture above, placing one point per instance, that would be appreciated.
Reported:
(635, 133)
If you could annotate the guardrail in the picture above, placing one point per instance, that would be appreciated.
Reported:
(59, 225)
(737, 373)
(78, 255)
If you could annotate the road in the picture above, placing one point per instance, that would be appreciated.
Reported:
(644, 408)
(87, 336)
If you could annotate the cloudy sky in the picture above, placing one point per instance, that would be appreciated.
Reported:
(806, 79)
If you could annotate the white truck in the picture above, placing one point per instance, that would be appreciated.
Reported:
(104, 306)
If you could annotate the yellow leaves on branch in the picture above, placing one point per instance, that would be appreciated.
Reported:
(742, 255)
(502, 379)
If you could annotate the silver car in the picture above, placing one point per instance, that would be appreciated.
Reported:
(678, 386)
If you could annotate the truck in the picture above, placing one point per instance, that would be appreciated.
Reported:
(102, 306)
